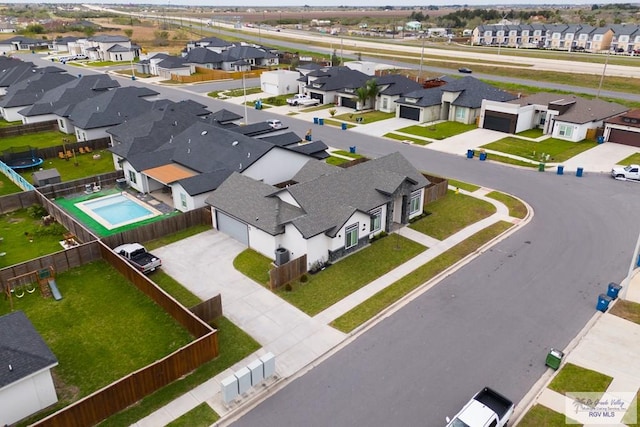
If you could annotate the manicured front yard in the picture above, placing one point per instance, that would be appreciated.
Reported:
(573, 378)
(542, 416)
(531, 133)
(439, 130)
(101, 330)
(627, 310)
(633, 159)
(367, 117)
(233, 93)
(558, 150)
(36, 140)
(406, 138)
(463, 185)
(451, 214)
(200, 416)
(336, 123)
(517, 209)
(339, 280)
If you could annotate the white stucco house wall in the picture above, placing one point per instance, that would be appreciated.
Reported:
(279, 82)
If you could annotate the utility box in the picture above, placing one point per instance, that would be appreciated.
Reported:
(554, 358)
(244, 380)
(229, 388)
(282, 256)
(269, 364)
(257, 372)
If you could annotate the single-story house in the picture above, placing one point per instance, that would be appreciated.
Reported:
(326, 212)
(26, 383)
(561, 116)
(18, 43)
(623, 129)
(333, 85)
(279, 82)
(458, 100)
(391, 87)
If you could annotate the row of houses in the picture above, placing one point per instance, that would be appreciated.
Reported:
(621, 38)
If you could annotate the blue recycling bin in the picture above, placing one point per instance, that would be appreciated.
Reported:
(579, 172)
(600, 139)
(603, 302)
(133, 77)
(483, 156)
(613, 290)
(321, 121)
(470, 154)
(352, 149)
(560, 170)
(307, 137)
(344, 126)
(315, 120)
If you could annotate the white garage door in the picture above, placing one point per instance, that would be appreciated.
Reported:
(232, 227)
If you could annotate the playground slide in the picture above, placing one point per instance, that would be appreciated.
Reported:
(54, 290)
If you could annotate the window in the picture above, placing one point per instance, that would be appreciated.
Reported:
(513, 33)
(385, 103)
(583, 36)
(569, 36)
(183, 200)
(351, 236)
(61, 124)
(564, 130)
(525, 33)
(597, 38)
(376, 220)
(415, 202)
(132, 177)
(487, 33)
(460, 113)
(624, 39)
(537, 33)
(555, 36)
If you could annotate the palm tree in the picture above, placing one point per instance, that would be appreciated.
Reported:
(362, 95)
(373, 90)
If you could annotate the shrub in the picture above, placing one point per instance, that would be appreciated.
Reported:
(332, 112)
(37, 211)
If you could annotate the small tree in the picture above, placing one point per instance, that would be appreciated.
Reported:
(128, 32)
(89, 31)
(372, 91)
(334, 59)
(362, 95)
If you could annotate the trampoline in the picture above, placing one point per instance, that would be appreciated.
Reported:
(21, 158)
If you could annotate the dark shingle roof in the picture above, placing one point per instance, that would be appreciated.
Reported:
(32, 89)
(22, 348)
(283, 139)
(172, 62)
(118, 48)
(316, 149)
(225, 116)
(108, 39)
(202, 55)
(396, 84)
(336, 78)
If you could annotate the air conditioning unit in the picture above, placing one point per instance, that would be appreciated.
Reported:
(282, 256)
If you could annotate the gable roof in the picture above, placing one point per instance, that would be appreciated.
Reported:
(109, 39)
(225, 116)
(335, 78)
(71, 93)
(111, 108)
(238, 53)
(32, 89)
(172, 62)
(578, 110)
(118, 48)
(214, 42)
(326, 201)
(396, 84)
(202, 55)
(22, 348)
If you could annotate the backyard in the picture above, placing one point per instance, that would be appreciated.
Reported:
(558, 150)
(36, 140)
(78, 166)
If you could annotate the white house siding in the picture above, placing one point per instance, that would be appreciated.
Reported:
(387, 103)
(38, 119)
(26, 397)
(137, 182)
(578, 132)
(116, 160)
(192, 202)
(89, 134)
(284, 195)
(317, 249)
(527, 118)
(363, 220)
(279, 82)
(11, 114)
(289, 163)
(65, 126)
(263, 242)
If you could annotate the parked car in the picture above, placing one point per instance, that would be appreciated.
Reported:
(626, 172)
(465, 70)
(300, 99)
(137, 255)
(486, 408)
(275, 123)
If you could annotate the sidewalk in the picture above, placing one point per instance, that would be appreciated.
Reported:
(296, 339)
(608, 344)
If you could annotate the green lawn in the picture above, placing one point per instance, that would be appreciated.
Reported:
(336, 123)
(633, 159)
(531, 133)
(336, 161)
(36, 140)
(397, 290)
(234, 93)
(438, 131)
(25, 237)
(7, 186)
(82, 166)
(367, 117)
(253, 265)
(631, 418)
(174, 237)
(347, 154)
(171, 286)
(507, 160)
(463, 185)
(573, 378)
(329, 286)
(559, 150)
(627, 310)
(539, 416)
(85, 329)
(317, 108)
(200, 416)
(399, 137)
(4, 123)
(234, 345)
(451, 214)
(277, 101)
(517, 209)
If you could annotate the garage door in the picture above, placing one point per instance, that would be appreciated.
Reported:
(232, 227)
(625, 137)
(493, 122)
(409, 113)
(317, 96)
(348, 102)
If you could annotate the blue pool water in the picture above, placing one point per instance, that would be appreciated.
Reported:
(117, 210)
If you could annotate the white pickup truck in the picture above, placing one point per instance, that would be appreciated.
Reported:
(626, 172)
(300, 99)
(138, 256)
(487, 408)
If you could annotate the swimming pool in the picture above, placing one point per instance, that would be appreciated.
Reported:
(117, 210)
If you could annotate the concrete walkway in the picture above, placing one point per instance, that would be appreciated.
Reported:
(296, 339)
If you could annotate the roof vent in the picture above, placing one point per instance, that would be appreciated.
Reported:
(240, 166)
(248, 155)
(204, 132)
(188, 150)
(234, 143)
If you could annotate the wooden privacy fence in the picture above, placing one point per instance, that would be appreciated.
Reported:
(28, 128)
(280, 275)
(208, 310)
(207, 74)
(157, 229)
(63, 189)
(130, 389)
(93, 144)
(436, 190)
(16, 201)
(81, 233)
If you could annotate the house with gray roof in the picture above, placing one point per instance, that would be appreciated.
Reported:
(566, 117)
(333, 85)
(26, 383)
(182, 157)
(31, 90)
(20, 43)
(325, 213)
(115, 48)
(391, 87)
(91, 118)
(66, 95)
(458, 100)
(203, 57)
(12, 70)
(213, 44)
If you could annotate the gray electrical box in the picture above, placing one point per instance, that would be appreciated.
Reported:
(244, 380)
(282, 256)
(257, 372)
(229, 389)
(269, 364)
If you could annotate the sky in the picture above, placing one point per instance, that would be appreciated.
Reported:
(350, 3)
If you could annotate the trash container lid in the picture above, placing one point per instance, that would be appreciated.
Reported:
(556, 353)
(604, 297)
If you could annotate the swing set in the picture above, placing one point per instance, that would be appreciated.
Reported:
(27, 283)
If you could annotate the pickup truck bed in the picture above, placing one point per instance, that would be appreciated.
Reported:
(494, 400)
